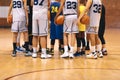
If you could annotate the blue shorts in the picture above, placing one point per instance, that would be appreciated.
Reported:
(56, 31)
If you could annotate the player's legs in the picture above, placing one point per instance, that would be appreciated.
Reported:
(87, 45)
(70, 28)
(52, 43)
(14, 30)
(35, 33)
(43, 32)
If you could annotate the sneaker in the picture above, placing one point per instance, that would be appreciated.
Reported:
(61, 50)
(92, 55)
(28, 53)
(14, 53)
(51, 51)
(19, 49)
(71, 55)
(104, 52)
(44, 56)
(34, 55)
(77, 54)
(100, 55)
(82, 53)
(64, 55)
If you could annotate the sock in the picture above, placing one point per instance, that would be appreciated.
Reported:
(14, 46)
(71, 49)
(92, 48)
(66, 48)
(87, 43)
(27, 46)
(104, 49)
(98, 47)
(44, 50)
(34, 49)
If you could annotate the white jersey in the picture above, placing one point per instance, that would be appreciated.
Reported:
(70, 7)
(18, 10)
(95, 13)
(40, 9)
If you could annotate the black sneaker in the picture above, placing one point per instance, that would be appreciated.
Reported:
(51, 51)
(61, 50)
(104, 52)
(77, 54)
(82, 52)
(14, 53)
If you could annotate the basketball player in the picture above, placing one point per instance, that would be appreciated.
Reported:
(70, 11)
(102, 31)
(94, 7)
(56, 31)
(40, 26)
(81, 35)
(20, 22)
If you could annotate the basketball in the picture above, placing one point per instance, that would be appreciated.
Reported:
(85, 19)
(60, 20)
(10, 18)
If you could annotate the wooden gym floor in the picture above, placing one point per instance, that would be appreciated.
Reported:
(79, 68)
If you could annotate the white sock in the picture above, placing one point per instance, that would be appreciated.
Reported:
(44, 50)
(98, 47)
(66, 48)
(34, 49)
(92, 48)
(104, 49)
(71, 49)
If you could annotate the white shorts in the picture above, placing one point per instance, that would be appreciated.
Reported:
(40, 27)
(19, 26)
(92, 30)
(70, 25)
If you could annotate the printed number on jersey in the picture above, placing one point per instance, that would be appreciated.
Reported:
(71, 5)
(97, 8)
(36, 2)
(54, 9)
(17, 4)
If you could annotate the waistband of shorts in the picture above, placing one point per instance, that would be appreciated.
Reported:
(70, 14)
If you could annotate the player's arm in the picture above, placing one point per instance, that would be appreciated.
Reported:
(9, 11)
(32, 2)
(88, 5)
(78, 11)
(60, 9)
(26, 11)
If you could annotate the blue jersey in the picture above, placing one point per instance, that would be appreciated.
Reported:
(56, 31)
(54, 9)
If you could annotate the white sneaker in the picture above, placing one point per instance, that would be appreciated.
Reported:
(44, 56)
(64, 55)
(34, 55)
(71, 55)
(92, 55)
(100, 55)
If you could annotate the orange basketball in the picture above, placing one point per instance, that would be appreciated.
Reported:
(60, 20)
(10, 18)
(85, 19)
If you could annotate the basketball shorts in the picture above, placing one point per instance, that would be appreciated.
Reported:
(40, 27)
(70, 25)
(19, 26)
(92, 30)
